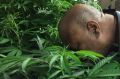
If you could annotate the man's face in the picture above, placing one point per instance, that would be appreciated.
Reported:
(79, 38)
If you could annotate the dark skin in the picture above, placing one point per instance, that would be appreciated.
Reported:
(96, 36)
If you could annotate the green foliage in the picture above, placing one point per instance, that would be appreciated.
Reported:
(30, 47)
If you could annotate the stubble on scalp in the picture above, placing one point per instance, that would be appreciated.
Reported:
(79, 14)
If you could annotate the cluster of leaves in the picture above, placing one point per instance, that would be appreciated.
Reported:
(30, 47)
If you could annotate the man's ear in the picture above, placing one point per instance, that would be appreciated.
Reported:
(94, 28)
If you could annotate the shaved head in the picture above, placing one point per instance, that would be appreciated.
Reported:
(85, 27)
(79, 14)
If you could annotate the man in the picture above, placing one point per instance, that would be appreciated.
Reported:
(85, 28)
